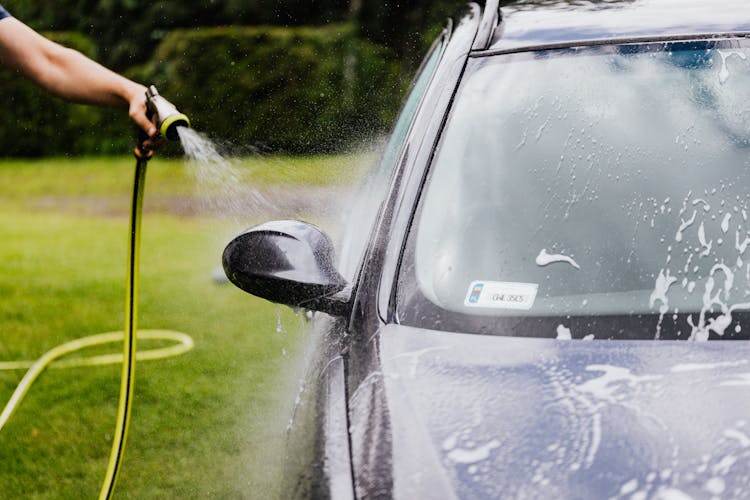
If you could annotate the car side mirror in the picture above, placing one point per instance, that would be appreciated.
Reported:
(288, 262)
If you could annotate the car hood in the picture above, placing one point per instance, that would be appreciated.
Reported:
(477, 416)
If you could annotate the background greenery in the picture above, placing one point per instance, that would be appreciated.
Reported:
(297, 76)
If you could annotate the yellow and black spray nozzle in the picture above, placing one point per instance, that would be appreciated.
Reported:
(165, 115)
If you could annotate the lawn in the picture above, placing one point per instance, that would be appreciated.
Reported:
(209, 423)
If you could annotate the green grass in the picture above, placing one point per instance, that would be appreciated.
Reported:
(20, 179)
(209, 423)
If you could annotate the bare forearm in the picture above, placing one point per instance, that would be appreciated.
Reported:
(68, 73)
(62, 71)
(72, 76)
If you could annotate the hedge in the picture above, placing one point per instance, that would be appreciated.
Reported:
(297, 90)
(291, 89)
(128, 31)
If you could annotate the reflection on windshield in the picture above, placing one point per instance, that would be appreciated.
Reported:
(608, 181)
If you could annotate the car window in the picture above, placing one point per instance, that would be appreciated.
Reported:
(598, 193)
(411, 105)
(367, 204)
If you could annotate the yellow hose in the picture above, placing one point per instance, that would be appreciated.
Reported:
(128, 337)
(131, 327)
(50, 359)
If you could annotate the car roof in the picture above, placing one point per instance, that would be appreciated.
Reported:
(528, 23)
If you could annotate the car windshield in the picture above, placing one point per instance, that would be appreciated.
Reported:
(597, 192)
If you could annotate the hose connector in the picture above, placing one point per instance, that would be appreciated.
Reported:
(165, 115)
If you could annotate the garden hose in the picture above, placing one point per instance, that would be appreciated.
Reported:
(167, 119)
(50, 359)
(131, 326)
(128, 357)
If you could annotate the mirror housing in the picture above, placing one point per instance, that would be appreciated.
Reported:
(288, 262)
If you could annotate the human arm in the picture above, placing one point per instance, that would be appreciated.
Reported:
(69, 74)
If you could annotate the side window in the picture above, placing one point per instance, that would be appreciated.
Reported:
(411, 105)
(365, 206)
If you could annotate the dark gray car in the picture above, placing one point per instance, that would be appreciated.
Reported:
(551, 297)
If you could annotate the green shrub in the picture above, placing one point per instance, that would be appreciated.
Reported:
(291, 89)
(128, 31)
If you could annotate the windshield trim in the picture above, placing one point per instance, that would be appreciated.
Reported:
(639, 40)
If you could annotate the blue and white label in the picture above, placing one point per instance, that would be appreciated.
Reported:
(501, 295)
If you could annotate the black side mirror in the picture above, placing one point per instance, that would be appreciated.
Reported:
(288, 262)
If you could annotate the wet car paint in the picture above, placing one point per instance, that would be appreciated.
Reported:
(540, 418)
(446, 415)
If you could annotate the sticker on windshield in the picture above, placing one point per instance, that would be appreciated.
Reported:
(501, 295)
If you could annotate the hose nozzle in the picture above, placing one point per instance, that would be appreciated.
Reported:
(165, 115)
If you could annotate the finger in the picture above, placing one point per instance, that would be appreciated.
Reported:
(138, 115)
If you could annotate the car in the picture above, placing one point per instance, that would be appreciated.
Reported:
(544, 289)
